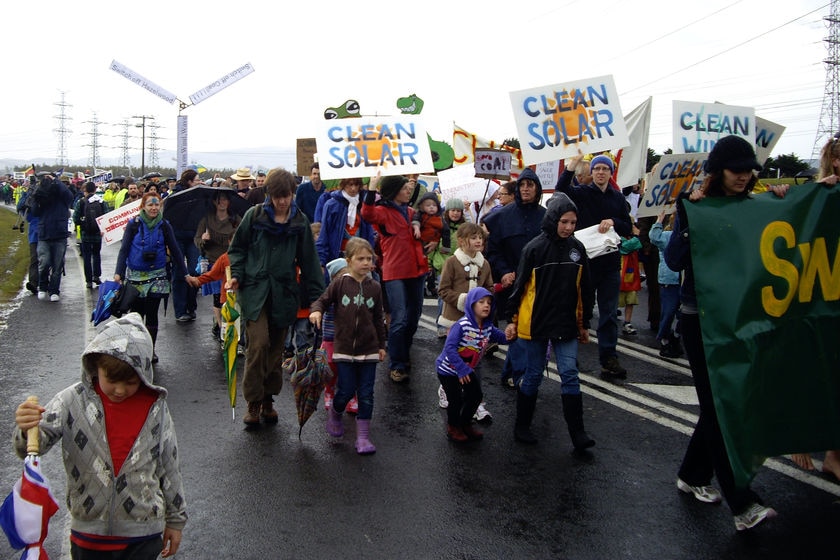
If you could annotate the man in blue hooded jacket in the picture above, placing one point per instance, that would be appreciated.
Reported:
(54, 213)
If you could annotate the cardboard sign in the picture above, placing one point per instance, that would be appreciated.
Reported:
(460, 182)
(556, 121)
(674, 174)
(112, 225)
(359, 147)
(306, 150)
(492, 164)
(697, 126)
(549, 174)
(767, 134)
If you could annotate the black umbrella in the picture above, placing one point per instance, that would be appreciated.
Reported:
(152, 175)
(184, 209)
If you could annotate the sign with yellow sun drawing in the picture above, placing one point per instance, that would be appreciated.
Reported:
(357, 147)
(674, 174)
(556, 121)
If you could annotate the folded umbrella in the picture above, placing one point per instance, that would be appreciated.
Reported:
(102, 310)
(309, 373)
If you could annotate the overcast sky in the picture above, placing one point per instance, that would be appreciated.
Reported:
(462, 58)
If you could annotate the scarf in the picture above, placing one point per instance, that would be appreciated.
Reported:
(351, 207)
(150, 223)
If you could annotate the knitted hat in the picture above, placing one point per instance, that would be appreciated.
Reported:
(454, 204)
(335, 266)
(732, 153)
(389, 186)
(602, 160)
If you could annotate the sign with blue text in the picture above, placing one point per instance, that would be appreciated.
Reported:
(697, 126)
(357, 147)
(674, 174)
(556, 121)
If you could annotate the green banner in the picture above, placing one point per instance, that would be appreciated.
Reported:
(768, 288)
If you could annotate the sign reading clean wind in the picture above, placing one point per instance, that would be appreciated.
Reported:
(144, 83)
(697, 126)
(556, 121)
(225, 81)
(357, 147)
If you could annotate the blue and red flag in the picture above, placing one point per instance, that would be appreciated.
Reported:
(26, 512)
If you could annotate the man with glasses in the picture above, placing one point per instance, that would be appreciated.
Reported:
(602, 205)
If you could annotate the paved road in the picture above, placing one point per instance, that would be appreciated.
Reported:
(270, 494)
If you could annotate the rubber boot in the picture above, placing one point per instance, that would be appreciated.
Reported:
(573, 413)
(334, 425)
(525, 406)
(363, 443)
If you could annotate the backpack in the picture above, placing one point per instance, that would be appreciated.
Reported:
(36, 197)
(91, 211)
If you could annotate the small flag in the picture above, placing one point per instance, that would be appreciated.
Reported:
(26, 512)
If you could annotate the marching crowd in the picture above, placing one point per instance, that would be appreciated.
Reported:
(356, 263)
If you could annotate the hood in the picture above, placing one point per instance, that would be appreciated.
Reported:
(428, 196)
(473, 296)
(528, 173)
(127, 339)
(557, 205)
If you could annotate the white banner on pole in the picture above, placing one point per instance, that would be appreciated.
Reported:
(183, 152)
(144, 83)
(227, 80)
(112, 225)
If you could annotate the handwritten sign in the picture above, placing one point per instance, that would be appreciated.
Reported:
(358, 147)
(674, 174)
(144, 83)
(492, 164)
(429, 182)
(697, 126)
(460, 182)
(112, 225)
(767, 134)
(556, 121)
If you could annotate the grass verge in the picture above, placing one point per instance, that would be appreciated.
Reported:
(14, 256)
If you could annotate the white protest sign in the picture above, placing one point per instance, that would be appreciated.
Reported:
(144, 83)
(225, 81)
(697, 126)
(429, 182)
(460, 182)
(112, 225)
(556, 121)
(674, 174)
(357, 147)
(492, 164)
(767, 134)
(549, 174)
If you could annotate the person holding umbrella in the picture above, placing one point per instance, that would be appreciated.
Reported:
(183, 295)
(130, 451)
(272, 242)
(142, 261)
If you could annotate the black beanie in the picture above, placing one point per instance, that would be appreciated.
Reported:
(732, 153)
(389, 186)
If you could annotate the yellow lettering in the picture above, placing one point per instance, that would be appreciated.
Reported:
(777, 267)
(815, 261)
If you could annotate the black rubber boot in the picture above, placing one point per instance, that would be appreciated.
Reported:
(525, 406)
(573, 413)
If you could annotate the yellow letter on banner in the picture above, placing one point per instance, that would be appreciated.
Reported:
(777, 267)
(815, 261)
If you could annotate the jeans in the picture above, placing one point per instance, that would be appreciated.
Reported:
(463, 399)
(33, 266)
(535, 354)
(405, 298)
(51, 264)
(669, 295)
(91, 259)
(606, 280)
(184, 295)
(300, 335)
(355, 378)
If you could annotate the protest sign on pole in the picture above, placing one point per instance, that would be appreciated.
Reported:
(556, 121)
(492, 164)
(548, 173)
(305, 155)
(359, 147)
(465, 143)
(697, 126)
(460, 182)
(631, 161)
(112, 225)
(674, 174)
(429, 182)
(767, 134)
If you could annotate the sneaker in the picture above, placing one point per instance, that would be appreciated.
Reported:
(669, 349)
(441, 332)
(97, 281)
(329, 394)
(352, 406)
(398, 375)
(482, 414)
(185, 318)
(43, 296)
(707, 494)
(89, 285)
(456, 434)
(472, 433)
(240, 350)
(217, 330)
(442, 401)
(613, 369)
(154, 358)
(629, 329)
(192, 315)
(752, 516)
(510, 383)
(31, 287)
(54, 298)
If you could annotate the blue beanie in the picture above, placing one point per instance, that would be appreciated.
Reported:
(335, 266)
(603, 160)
